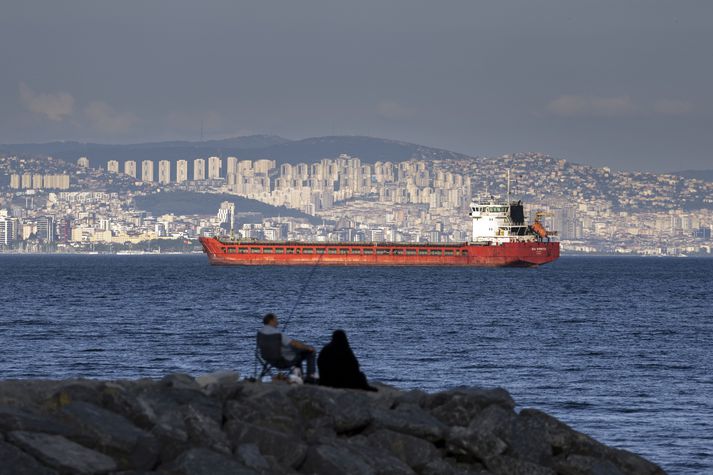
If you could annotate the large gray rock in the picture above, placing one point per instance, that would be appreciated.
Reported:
(504, 465)
(18, 418)
(380, 459)
(14, 461)
(61, 453)
(411, 450)
(222, 384)
(201, 461)
(346, 410)
(540, 437)
(331, 459)
(474, 444)
(251, 457)
(496, 420)
(289, 451)
(459, 406)
(204, 431)
(583, 465)
(76, 390)
(409, 419)
(112, 434)
(450, 467)
(273, 410)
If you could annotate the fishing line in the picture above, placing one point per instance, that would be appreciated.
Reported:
(302, 291)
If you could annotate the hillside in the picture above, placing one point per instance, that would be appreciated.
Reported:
(191, 203)
(253, 147)
(705, 175)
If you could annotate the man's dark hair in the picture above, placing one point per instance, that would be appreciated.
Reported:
(268, 318)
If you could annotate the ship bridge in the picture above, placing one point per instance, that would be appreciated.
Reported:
(499, 222)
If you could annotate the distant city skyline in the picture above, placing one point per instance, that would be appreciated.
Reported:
(618, 84)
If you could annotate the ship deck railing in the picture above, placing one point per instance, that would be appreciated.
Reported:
(249, 241)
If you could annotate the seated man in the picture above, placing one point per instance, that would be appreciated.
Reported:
(293, 351)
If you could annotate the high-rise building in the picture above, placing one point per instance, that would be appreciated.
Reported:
(130, 168)
(8, 230)
(15, 181)
(37, 181)
(198, 169)
(164, 172)
(181, 171)
(56, 182)
(45, 229)
(231, 166)
(112, 166)
(214, 166)
(26, 181)
(83, 162)
(147, 171)
(264, 165)
(64, 229)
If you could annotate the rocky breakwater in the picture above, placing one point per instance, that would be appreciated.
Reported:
(219, 425)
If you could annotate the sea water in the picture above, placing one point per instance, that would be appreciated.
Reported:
(619, 348)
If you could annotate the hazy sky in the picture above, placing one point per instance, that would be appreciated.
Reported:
(627, 84)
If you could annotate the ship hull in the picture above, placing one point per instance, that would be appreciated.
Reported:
(263, 253)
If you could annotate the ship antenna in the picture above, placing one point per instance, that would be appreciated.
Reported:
(508, 187)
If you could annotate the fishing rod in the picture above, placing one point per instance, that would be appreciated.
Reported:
(292, 311)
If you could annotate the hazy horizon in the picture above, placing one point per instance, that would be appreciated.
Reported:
(605, 84)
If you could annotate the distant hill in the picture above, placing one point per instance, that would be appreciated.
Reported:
(705, 175)
(188, 203)
(254, 147)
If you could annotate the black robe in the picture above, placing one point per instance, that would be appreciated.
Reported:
(338, 367)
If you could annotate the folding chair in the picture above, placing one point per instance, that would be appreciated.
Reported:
(269, 354)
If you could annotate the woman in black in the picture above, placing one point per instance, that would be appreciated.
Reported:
(338, 367)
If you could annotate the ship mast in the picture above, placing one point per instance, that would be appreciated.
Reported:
(232, 221)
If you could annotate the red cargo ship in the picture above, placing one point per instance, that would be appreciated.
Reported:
(500, 238)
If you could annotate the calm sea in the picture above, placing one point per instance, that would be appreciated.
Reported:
(619, 348)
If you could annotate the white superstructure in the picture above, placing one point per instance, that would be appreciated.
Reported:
(499, 222)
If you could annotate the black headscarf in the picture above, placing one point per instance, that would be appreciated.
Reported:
(338, 367)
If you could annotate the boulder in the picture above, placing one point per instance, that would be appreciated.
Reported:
(331, 459)
(450, 467)
(16, 462)
(272, 410)
(288, 450)
(414, 396)
(61, 453)
(347, 411)
(380, 459)
(504, 465)
(459, 406)
(112, 434)
(200, 461)
(411, 450)
(409, 419)
(76, 390)
(18, 418)
(473, 444)
(219, 383)
(540, 437)
(496, 420)
(583, 465)
(204, 431)
(250, 456)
